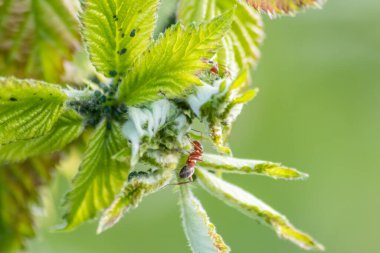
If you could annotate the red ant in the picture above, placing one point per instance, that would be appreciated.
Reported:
(188, 170)
(217, 71)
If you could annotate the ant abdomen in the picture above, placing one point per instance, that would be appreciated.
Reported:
(186, 171)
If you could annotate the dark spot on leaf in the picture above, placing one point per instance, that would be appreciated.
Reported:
(123, 51)
(113, 73)
(114, 16)
(13, 99)
(133, 33)
(41, 99)
(122, 35)
(139, 11)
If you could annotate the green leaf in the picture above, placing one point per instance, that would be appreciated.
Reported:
(241, 43)
(255, 208)
(171, 64)
(117, 32)
(20, 186)
(131, 195)
(244, 166)
(200, 232)
(67, 128)
(279, 7)
(28, 108)
(99, 178)
(36, 38)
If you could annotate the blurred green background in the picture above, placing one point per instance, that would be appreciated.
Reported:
(318, 110)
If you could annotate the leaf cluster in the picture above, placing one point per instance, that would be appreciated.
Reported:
(135, 113)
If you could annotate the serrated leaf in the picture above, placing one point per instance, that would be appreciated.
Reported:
(131, 195)
(245, 166)
(28, 108)
(279, 7)
(255, 208)
(36, 38)
(99, 178)
(117, 32)
(20, 186)
(67, 128)
(241, 43)
(200, 232)
(171, 64)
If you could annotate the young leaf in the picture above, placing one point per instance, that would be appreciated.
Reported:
(67, 128)
(241, 43)
(99, 178)
(131, 195)
(20, 185)
(278, 7)
(36, 38)
(244, 166)
(171, 64)
(200, 232)
(118, 32)
(28, 108)
(245, 37)
(255, 208)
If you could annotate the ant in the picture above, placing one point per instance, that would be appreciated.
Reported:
(218, 69)
(187, 171)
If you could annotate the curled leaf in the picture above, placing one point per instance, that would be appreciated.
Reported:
(200, 232)
(278, 7)
(255, 208)
(245, 166)
(131, 195)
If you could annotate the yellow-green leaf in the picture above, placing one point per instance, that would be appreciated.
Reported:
(241, 43)
(245, 166)
(117, 32)
(171, 64)
(131, 195)
(28, 108)
(99, 178)
(67, 128)
(255, 208)
(200, 232)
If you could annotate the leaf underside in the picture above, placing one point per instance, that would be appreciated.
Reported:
(169, 67)
(99, 178)
(279, 7)
(131, 195)
(117, 32)
(36, 38)
(200, 232)
(255, 208)
(28, 108)
(245, 166)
